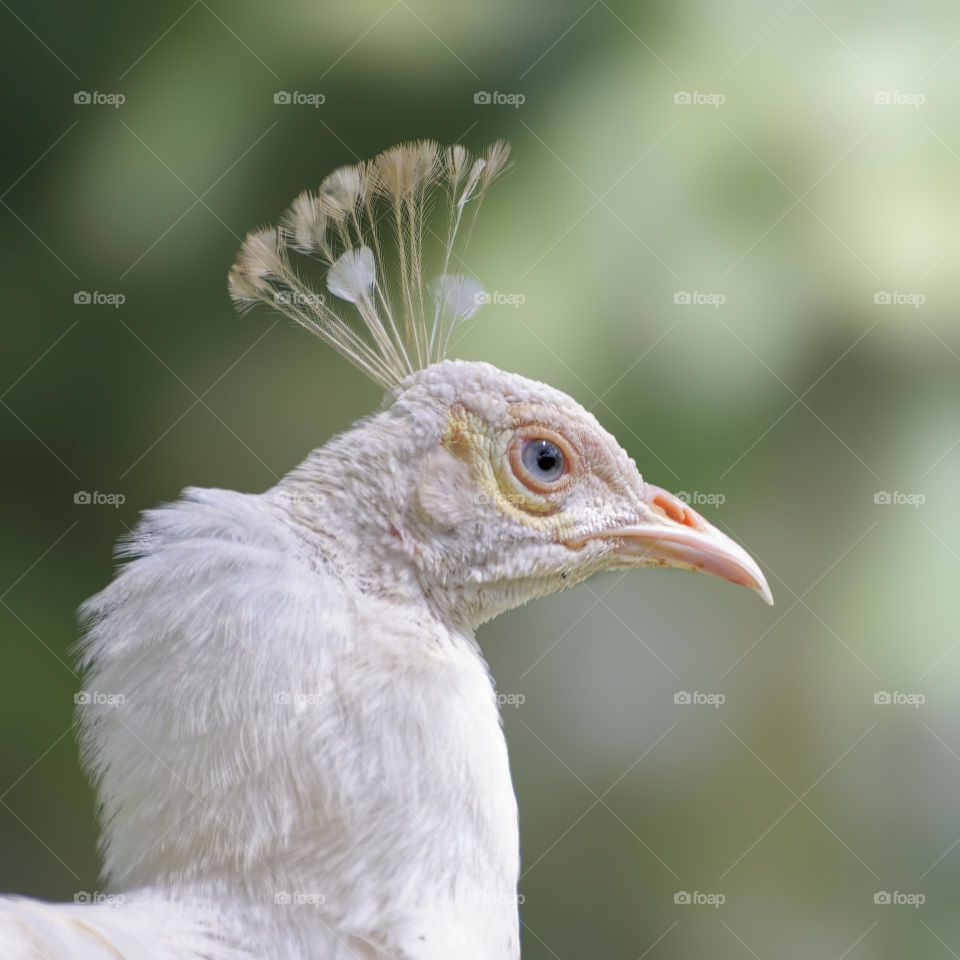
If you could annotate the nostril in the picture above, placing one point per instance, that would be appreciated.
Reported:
(675, 509)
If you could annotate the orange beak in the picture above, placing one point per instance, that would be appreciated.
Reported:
(672, 534)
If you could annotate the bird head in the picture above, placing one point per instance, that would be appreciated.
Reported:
(521, 492)
(479, 489)
(482, 490)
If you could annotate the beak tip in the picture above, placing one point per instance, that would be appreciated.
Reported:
(762, 590)
(756, 580)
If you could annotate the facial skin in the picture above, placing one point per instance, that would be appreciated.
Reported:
(526, 493)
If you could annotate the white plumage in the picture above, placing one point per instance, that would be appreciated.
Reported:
(294, 735)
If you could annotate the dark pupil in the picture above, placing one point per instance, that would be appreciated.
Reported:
(547, 457)
(544, 458)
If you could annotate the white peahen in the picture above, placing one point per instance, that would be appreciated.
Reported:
(293, 733)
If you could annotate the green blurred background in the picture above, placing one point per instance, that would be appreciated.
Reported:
(735, 230)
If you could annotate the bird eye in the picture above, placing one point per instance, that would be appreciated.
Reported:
(543, 459)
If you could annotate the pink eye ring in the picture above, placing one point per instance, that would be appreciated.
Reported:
(541, 459)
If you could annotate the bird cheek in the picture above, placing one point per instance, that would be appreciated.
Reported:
(517, 500)
(446, 495)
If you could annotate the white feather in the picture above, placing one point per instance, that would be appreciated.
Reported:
(457, 298)
(296, 744)
(353, 275)
(147, 925)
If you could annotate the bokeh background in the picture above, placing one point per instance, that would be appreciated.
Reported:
(734, 230)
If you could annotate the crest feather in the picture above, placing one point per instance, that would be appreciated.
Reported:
(398, 215)
(353, 275)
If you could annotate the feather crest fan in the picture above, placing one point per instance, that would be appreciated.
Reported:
(401, 212)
